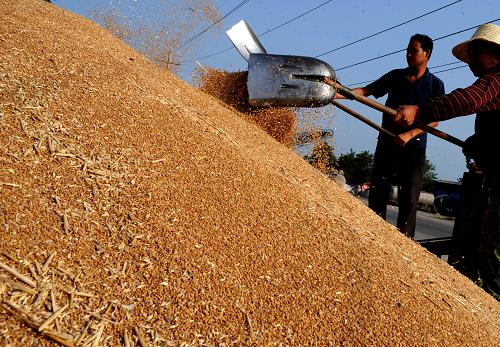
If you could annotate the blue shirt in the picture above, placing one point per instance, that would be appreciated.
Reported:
(401, 91)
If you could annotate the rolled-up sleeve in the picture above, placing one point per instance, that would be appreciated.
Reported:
(381, 86)
(481, 96)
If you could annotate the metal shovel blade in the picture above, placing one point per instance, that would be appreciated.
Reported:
(272, 82)
(244, 39)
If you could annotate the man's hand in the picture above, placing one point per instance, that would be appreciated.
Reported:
(406, 115)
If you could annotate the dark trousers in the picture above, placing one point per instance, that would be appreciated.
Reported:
(402, 167)
(466, 232)
(489, 241)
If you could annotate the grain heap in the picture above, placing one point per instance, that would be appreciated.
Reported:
(231, 88)
(135, 209)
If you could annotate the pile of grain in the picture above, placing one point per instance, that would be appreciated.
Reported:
(231, 88)
(134, 209)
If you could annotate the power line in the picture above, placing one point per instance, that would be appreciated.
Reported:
(214, 24)
(430, 68)
(447, 64)
(388, 29)
(404, 49)
(295, 18)
(453, 68)
(338, 48)
(371, 59)
(264, 33)
(207, 56)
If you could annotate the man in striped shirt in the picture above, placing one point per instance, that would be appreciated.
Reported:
(482, 54)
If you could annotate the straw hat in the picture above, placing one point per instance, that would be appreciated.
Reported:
(486, 32)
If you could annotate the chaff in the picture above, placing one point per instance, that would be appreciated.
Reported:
(16, 274)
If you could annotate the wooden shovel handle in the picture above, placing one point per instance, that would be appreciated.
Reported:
(348, 93)
(362, 118)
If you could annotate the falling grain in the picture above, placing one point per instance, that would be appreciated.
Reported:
(230, 88)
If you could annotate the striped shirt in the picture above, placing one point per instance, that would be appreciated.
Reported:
(482, 96)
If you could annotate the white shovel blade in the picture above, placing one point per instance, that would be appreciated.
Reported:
(245, 40)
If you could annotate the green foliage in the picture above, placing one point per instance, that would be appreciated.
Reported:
(429, 176)
(357, 167)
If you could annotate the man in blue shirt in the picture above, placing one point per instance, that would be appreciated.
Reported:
(401, 161)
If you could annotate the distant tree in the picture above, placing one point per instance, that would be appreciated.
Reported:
(322, 158)
(430, 176)
(357, 167)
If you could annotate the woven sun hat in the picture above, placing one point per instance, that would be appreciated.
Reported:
(486, 32)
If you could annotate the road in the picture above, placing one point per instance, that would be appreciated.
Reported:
(428, 226)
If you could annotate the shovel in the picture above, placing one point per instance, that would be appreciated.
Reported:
(299, 93)
(281, 80)
(295, 81)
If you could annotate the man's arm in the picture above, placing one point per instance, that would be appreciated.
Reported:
(481, 96)
(478, 97)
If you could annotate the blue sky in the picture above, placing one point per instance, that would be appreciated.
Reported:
(333, 25)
